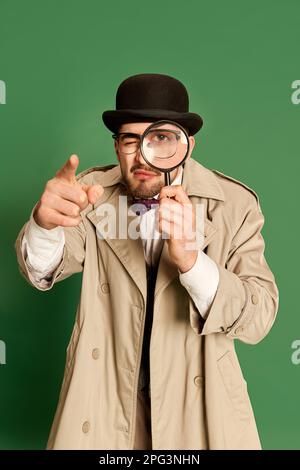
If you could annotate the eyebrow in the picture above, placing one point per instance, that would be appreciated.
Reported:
(129, 134)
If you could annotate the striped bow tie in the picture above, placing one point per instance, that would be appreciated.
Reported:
(144, 204)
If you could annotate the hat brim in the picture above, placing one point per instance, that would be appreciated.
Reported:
(113, 119)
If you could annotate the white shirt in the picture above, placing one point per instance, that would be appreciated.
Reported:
(43, 250)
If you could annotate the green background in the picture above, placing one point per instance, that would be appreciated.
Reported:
(62, 62)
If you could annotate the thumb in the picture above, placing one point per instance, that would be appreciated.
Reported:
(93, 192)
(68, 170)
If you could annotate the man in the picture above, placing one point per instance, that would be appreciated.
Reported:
(184, 389)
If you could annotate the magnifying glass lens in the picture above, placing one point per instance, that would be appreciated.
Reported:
(160, 144)
(165, 146)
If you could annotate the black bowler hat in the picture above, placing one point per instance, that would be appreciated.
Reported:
(152, 97)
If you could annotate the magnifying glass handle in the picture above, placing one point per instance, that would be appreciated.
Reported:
(167, 179)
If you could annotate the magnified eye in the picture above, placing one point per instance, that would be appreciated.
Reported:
(162, 137)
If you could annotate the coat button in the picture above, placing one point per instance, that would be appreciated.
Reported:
(198, 380)
(96, 353)
(105, 288)
(254, 299)
(238, 330)
(86, 427)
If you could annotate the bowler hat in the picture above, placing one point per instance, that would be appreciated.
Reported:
(152, 97)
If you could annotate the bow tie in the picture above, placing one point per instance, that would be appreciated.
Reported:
(145, 205)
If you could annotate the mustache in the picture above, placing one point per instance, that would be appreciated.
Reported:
(139, 167)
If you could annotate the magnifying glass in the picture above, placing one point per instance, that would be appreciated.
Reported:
(165, 146)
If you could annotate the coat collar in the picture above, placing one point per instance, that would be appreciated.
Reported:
(198, 182)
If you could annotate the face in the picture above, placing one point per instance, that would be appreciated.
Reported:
(142, 180)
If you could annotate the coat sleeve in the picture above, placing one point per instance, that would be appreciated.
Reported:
(246, 301)
(72, 260)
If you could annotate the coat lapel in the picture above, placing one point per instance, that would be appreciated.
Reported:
(129, 251)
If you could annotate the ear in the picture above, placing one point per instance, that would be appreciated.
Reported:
(192, 145)
(116, 150)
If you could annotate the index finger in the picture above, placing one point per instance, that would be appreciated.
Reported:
(175, 191)
(68, 170)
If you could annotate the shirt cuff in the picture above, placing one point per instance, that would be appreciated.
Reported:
(201, 282)
(43, 248)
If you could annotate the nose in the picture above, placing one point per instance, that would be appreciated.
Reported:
(138, 157)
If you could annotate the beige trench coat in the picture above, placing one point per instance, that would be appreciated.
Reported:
(199, 397)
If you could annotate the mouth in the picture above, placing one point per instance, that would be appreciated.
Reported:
(144, 175)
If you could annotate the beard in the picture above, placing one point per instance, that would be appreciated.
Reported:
(142, 191)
